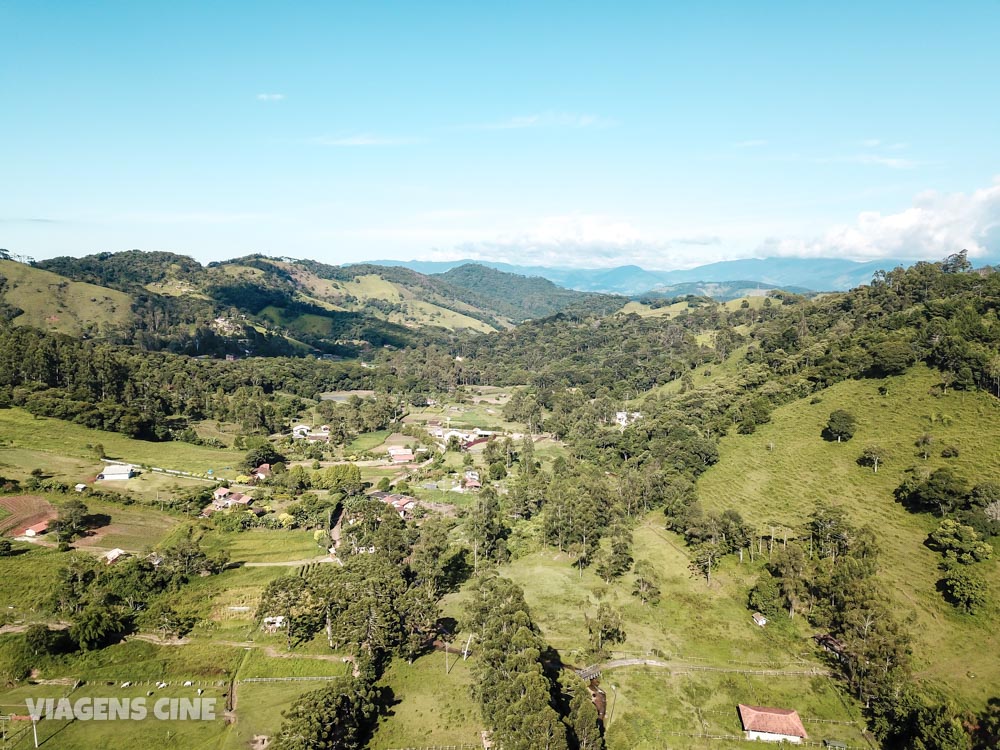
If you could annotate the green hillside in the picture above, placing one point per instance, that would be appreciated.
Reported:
(778, 475)
(54, 303)
(520, 297)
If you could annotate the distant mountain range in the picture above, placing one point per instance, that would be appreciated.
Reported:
(792, 274)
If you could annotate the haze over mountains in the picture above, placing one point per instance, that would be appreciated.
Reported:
(793, 274)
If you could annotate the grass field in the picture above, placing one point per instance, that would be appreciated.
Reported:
(367, 442)
(430, 707)
(58, 438)
(132, 528)
(27, 580)
(649, 704)
(264, 545)
(782, 486)
(54, 303)
(693, 625)
(258, 710)
(87, 735)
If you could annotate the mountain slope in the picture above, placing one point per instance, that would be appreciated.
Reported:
(777, 475)
(519, 297)
(54, 303)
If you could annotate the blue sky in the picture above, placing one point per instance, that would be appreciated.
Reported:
(583, 133)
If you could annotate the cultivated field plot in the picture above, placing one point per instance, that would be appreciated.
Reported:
(21, 511)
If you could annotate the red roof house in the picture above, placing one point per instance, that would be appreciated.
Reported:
(38, 528)
(772, 724)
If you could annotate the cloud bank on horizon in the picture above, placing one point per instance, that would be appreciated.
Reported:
(936, 225)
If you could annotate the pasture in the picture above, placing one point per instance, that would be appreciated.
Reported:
(56, 437)
(777, 475)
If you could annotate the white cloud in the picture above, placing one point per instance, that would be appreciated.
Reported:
(546, 120)
(270, 97)
(752, 143)
(937, 224)
(587, 240)
(891, 162)
(363, 139)
(871, 142)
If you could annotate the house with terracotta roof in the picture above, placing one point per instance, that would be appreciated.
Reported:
(400, 455)
(772, 724)
(38, 528)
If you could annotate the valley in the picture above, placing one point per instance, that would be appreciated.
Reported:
(631, 486)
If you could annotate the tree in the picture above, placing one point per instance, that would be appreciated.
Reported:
(938, 728)
(39, 639)
(966, 588)
(285, 597)
(6, 548)
(646, 580)
(264, 454)
(582, 719)
(959, 543)
(616, 562)
(840, 426)
(72, 520)
(765, 596)
(167, 621)
(605, 627)
(892, 357)
(95, 624)
(485, 526)
(987, 733)
(789, 566)
(941, 492)
(924, 443)
(338, 716)
(873, 455)
(705, 558)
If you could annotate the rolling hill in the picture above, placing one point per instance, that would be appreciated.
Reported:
(261, 305)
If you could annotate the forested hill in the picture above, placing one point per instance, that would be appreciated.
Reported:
(302, 305)
(524, 296)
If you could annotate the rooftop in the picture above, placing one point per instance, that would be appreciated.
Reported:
(771, 720)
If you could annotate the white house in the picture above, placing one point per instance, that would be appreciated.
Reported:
(113, 556)
(271, 624)
(117, 472)
(772, 724)
(759, 619)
